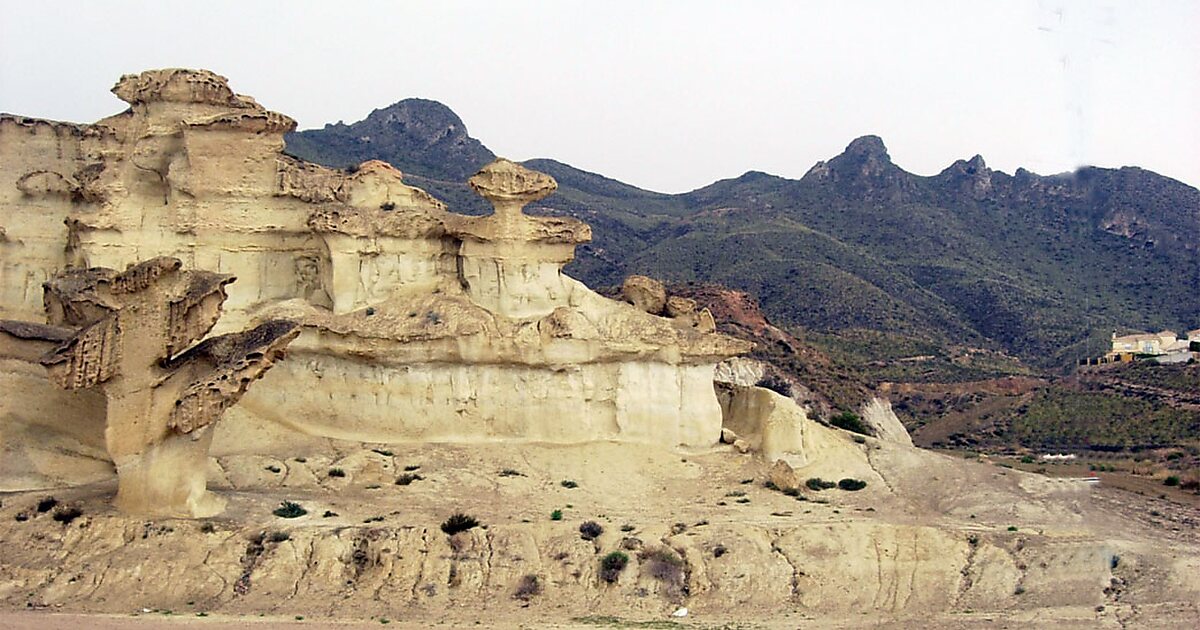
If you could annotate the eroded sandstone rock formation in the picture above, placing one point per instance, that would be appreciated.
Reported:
(418, 324)
(133, 335)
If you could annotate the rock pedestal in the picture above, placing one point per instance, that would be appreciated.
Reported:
(134, 342)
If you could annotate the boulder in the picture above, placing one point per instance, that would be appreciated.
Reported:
(678, 306)
(784, 476)
(645, 293)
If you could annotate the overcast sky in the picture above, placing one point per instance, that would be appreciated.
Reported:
(668, 96)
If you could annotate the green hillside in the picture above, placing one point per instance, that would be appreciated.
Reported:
(1040, 268)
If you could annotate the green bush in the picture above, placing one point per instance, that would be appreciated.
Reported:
(288, 509)
(850, 422)
(818, 484)
(567, 483)
(852, 485)
(1172, 481)
(337, 472)
(612, 565)
(459, 523)
(556, 515)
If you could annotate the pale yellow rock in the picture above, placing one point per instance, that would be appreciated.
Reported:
(770, 423)
(740, 371)
(877, 413)
(678, 306)
(418, 324)
(132, 336)
(783, 476)
(645, 293)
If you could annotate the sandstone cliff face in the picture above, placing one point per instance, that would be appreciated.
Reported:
(419, 324)
(130, 335)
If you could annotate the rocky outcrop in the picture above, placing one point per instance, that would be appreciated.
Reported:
(877, 413)
(770, 423)
(133, 340)
(419, 324)
(645, 293)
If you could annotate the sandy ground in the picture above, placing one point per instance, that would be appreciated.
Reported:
(933, 541)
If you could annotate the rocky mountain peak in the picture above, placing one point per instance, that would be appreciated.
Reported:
(864, 170)
(420, 117)
(415, 134)
(869, 146)
(971, 177)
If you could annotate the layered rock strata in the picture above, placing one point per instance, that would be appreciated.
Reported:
(133, 336)
(418, 324)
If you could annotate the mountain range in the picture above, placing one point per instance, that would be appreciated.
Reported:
(981, 270)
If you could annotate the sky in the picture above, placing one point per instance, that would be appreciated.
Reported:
(668, 96)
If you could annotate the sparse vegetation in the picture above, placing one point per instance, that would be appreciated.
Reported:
(45, 504)
(852, 485)
(567, 483)
(851, 422)
(412, 467)
(612, 565)
(278, 537)
(288, 509)
(775, 383)
(408, 478)
(337, 472)
(817, 484)
(381, 451)
(67, 514)
(556, 515)
(509, 472)
(664, 565)
(1172, 481)
(273, 468)
(528, 587)
(459, 522)
(590, 530)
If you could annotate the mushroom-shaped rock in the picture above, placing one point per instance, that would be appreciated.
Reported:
(509, 186)
(511, 263)
(133, 329)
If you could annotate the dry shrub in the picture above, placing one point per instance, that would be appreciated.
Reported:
(528, 588)
(666, 566)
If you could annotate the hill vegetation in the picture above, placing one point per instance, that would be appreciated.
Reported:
(1037, 268)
